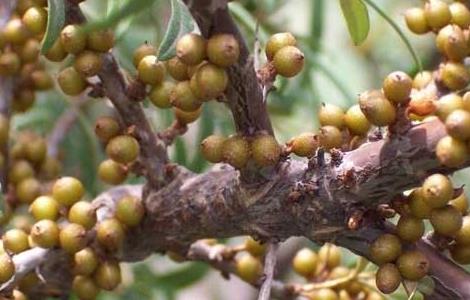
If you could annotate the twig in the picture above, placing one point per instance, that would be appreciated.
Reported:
(169, 135)
(269, 268)
(6, 97)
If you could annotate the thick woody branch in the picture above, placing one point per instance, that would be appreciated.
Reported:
(6, 97)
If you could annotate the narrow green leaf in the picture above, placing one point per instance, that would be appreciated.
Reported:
(181, 22)
(55, 22)
(357, 18)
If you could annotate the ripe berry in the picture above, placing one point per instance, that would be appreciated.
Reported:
(45, 234)
(151, 71)
(192, 69)
(410, 229)
(41, 80)
(83, 213)
(211, 148)
(458, 124)
(323, 294)
(388, 278)
(418, 206)
(160, 94)
(330, 137)
(57, 52)
(191, 49)
(30, 51)
(112, 172)
(446, 220)
(24, 100)
(85, 288)
(223, 50)
(305, 262)
(448, 104)
(305, 144)
(45, 207)
(186, 117)
(397, 87)
(356, 121)
(88, 63)
(27, 190)
(110, 234)
(454, 75)
(15, 32)
(73, 238)
(460, 14)
(36, 150)
(278, 41)
(248, 268)
(177, 69)
(451, 152)
(330, 114)
(130, 211)
(329, 255)
(73, 39)
(100, 40)
(437, 190)
(253, 247)
(18, 295)
(462, 237)
(211, 81)
(67, 190)
(460, 253)
(378, 110)
(71, 82)
(413, 265)
(35, 19)
(437, 13)
(9, 64)
(454, 45)
(123, 149)
(19, 171)
(7, 268)
(416, 20)
(106, 128)
(50, 168)
(108, 275)
(288, 61)
(15, 241)
(183, 98)
(141, 52)
(460, 203)
(265, 150)
(236, 151)
(422, 79)
(85, 262)
(386, 248)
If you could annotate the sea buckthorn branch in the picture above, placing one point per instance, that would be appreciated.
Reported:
(6, 97)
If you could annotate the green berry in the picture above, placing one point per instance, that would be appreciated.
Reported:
(73, 39)
(108, 275)
(106, 128)
(451, 152)
(177, 69)
(36, 150)
(332, 115)
(30, 51)
(71, 82)
(236, 151)
(85, 288)
(15, 32)
(223, 50)
(329, 255)
(460, 14)
(446, 220)
(19, 171)
(73, 238)
(24, 100)
(100, 40)
(305, 144)
(454, 75)
(4, 129)
(186, 117)
(110, 234)
(130, 211)
(15, 241)
(460, 253)
(448, 104)
(141, 52)
(305, 262)
(57, 52)
(9, 64)
(410, 229)
(67, 190)
(211, 81)
(437, 190)
(50, 168)
(265, 150)
(7, 268)
(191, 49)
(356, 121)
(248, 268)
(460, 203)
(112, 172)
(330, 137)
(377, 109)
(416, 20)
(45, 234)
(388, 278)
(458, 124)
(42, 80)
(123, 149)
(211, 148)
(150, 70)
(88, 63)
(418, 205)
(82, 213)
(28, 189)
(253, 247)
(160, 94)
(462, 237)
(278, 41)
(35, 19)
(413, 265)
(288, 61)
(183, 98)
(437, 13)
(45, 208)
(397, 87)
(386, 248)
(85, 262)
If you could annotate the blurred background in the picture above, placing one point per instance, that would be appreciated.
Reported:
(335, 72)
